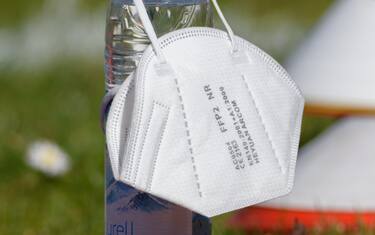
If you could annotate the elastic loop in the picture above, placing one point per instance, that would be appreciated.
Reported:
(149, 30)
(154, 39)
(226, 25)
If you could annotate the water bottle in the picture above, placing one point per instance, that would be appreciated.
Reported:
(126, 39)
(128, 211)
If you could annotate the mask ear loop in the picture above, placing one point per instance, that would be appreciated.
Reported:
(226, 25)
(150, 30)
(154, 39)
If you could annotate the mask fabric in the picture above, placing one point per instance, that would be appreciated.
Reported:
(118, 124)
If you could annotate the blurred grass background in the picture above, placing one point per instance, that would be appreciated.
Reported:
(60, 101)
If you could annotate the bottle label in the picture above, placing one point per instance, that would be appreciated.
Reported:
(131, 212)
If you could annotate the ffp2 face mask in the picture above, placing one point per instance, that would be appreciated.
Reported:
(215, 122)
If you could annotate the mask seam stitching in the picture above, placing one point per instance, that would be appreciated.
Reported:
(137, 122)
(188, 137)
(296, 135)
(156, 155)
(116, 120)
(143, 143)
(262, 121)
(126, 137)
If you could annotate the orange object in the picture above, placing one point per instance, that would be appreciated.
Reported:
(266, 219)
(337, 110)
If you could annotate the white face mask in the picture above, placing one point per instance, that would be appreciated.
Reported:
(212, 123)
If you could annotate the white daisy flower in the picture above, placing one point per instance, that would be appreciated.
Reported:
(48, 158)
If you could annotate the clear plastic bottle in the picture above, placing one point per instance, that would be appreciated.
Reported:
(128, 211)
(126, 39)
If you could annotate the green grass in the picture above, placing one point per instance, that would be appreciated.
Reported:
(61, 104)
(14, 13)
